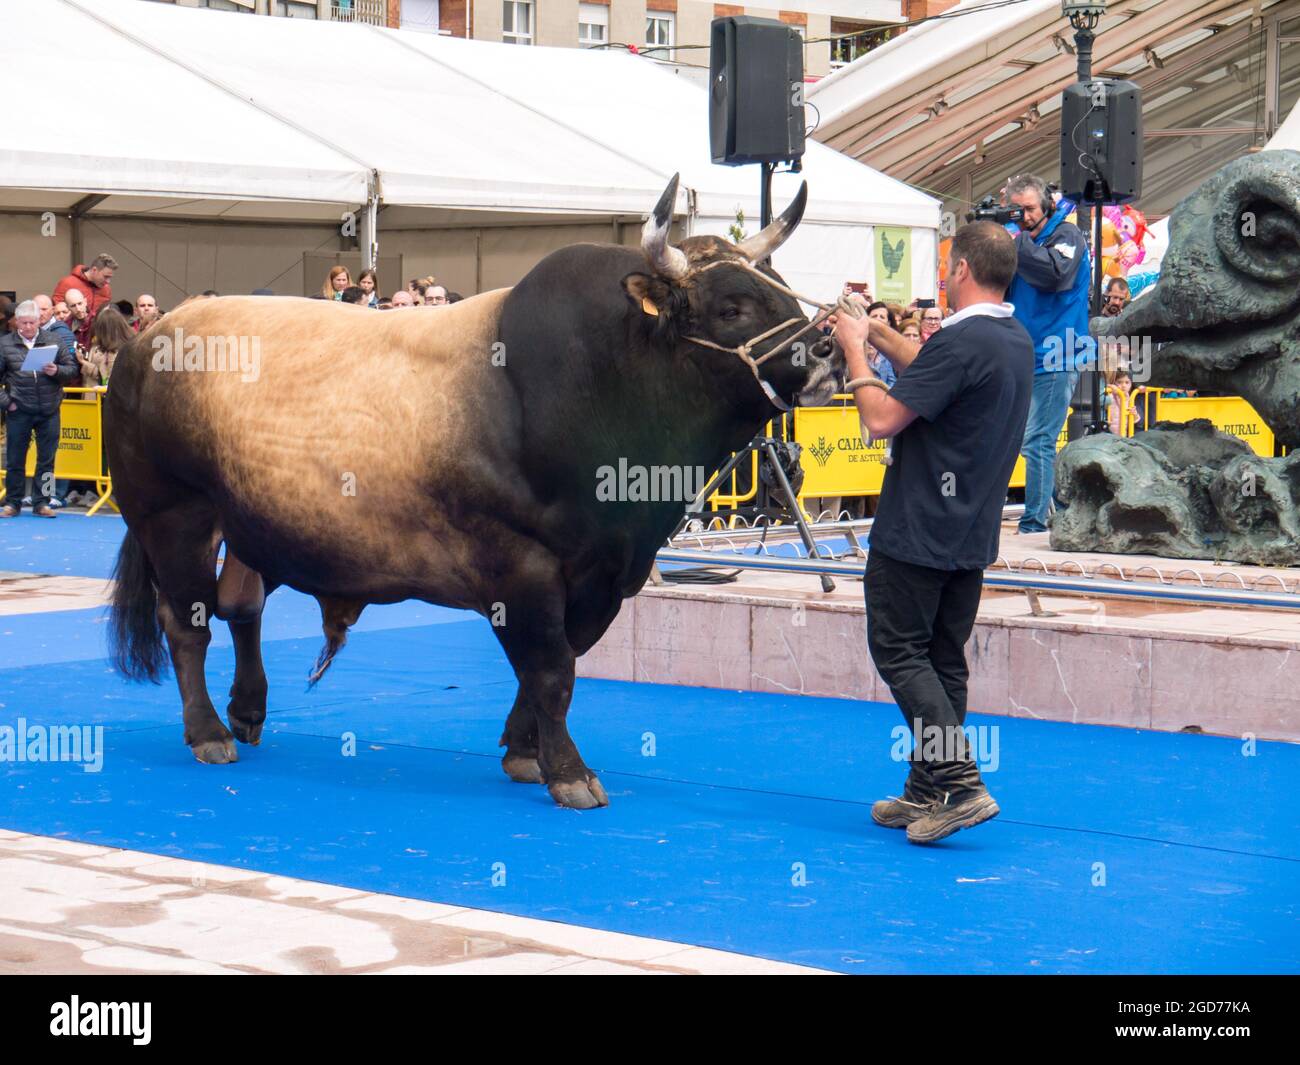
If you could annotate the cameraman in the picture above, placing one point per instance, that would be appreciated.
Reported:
(1050, 294)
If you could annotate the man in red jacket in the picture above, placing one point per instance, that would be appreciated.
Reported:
(92, 280)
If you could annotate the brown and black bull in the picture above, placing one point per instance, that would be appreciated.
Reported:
(446, 455)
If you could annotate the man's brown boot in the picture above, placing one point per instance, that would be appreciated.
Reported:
(912, 805)
(943, 818)
(962, 801)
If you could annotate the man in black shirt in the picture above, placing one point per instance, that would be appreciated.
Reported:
(957, 415)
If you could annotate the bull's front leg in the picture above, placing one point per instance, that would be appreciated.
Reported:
(549, 689)
(533, 636)
(520, 741)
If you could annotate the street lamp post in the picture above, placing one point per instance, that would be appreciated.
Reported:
(1084, 15)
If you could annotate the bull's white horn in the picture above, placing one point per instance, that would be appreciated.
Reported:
(763, 244)
(666, 260)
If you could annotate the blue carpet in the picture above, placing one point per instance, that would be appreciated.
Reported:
(72, 545)
(746, 830)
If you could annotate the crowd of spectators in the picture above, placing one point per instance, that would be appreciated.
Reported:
(419, 291)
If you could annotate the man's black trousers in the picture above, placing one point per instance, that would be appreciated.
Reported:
(918, 622)
(19, 427)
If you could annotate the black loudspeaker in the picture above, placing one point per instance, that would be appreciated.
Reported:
(1101, 141)
(755, 91)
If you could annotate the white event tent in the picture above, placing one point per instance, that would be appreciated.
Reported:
(207, 149)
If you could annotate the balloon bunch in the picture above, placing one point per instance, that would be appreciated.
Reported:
(1123, 234)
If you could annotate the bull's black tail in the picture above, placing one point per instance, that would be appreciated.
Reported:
(134, 635)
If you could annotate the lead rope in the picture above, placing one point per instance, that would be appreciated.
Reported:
(843, 305)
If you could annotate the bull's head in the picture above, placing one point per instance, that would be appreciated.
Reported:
(1226, 311)
(714, 291)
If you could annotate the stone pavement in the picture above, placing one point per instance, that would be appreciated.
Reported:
(70, 908)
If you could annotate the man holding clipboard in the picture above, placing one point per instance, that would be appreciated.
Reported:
(35, 364)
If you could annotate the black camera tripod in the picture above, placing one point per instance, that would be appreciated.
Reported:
(765, 447)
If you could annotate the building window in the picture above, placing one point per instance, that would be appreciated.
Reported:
(850, 46)
(593, 24)
(229, 5)
(295, 8)
(420, 15)
(517, 22)
(660, 28)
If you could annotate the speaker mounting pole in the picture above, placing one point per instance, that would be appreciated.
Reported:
(1084, 15)
(1099, 423)
(1083, 39)
(765, 199)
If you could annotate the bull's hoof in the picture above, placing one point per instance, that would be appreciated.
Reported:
(247, 732)
(579, 794)
(215, 752)
(522, 769)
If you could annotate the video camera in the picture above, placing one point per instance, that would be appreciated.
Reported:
(990, 210)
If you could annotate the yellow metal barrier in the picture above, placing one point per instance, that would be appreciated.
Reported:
(1146, 395)
(1127, 409)
(1229, 414)
(80, 456)
(836, 461)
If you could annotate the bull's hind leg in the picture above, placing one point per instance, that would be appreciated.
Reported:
(246, 710)
(182, 546)
(534, 640)
(241, 595)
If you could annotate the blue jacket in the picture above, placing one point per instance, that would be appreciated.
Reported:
(61, 330)
(1050, 294)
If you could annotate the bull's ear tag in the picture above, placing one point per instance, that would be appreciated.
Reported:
(649, 307)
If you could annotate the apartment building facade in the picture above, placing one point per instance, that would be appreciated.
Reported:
(677, 31)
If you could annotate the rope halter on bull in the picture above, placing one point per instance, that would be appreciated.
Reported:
(672, 263)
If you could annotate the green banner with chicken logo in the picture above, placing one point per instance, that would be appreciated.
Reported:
(893, 265)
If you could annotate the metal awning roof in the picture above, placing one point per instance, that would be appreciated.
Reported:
(957, 104)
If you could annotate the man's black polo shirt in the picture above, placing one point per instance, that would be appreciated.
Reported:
(941, 504)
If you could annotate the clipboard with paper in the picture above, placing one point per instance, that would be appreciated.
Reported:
(39, 357)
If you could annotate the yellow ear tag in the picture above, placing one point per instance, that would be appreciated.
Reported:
(649, 307)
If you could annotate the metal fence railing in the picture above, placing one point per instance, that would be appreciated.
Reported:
(370, 12)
